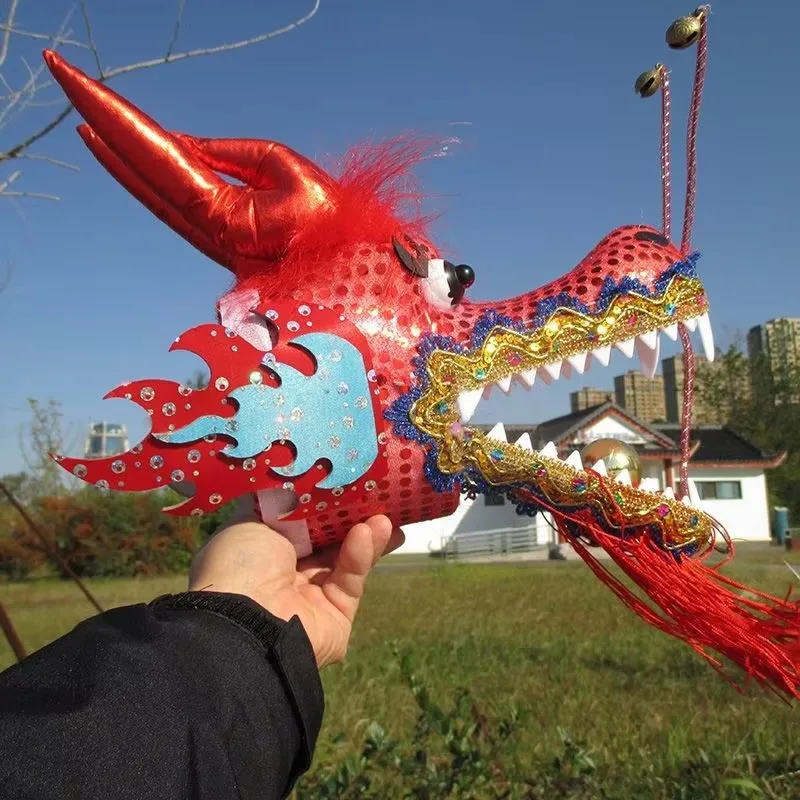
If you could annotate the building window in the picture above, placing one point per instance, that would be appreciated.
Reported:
(719, 490)
(493, 499)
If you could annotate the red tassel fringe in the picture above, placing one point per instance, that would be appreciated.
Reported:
(696, 604)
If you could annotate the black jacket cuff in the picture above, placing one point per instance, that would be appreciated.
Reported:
(285, 644)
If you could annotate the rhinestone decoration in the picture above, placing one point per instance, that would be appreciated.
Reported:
(215, 499)
(147, 393)
(102, 484)
(293, 326)
(80, 470)
(304, 498)
(271, 314)
(303, 311)
(118, 467)
(184, 390)
(361, 402)
(156, 462)
(221, 384)
(193, 456)
(296, 414)
(568, 332)
(370, 485)
(177, 475)
(168, 409)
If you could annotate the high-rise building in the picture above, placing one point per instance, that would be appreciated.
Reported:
(588, 397)
(703, 412)
(778, 340)
(641, 396)
(776, 343)
(106, 439)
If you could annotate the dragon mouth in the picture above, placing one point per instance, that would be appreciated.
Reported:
(565, 343)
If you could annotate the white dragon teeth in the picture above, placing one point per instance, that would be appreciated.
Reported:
(574, 460)
(498, 433)
(706, 336)
(600, 468)
(603, 354)
(626, 348)
(690, 324)
(669, 493)
(467, 403)
(578, 362)
(624, 477)
(549, 450)
(648, 346)
(553, 370)
(524, 442)
(529, 377)
(672, 331)
(505, 384)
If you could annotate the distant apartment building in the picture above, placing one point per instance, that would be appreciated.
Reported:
(588, 397)
(778, 340)
(703, 412)
(106, 439)
(777, 343)
(641, 396)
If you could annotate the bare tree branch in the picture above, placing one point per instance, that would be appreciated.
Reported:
(105, 75)
(7, 31)
(176, 30)
(44, 37)
(92, 46)
(56, 162)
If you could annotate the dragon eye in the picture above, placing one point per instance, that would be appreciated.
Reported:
(445, 283)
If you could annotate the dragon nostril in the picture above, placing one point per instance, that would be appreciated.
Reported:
(651, 236)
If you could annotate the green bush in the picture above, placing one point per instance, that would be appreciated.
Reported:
(102, 535)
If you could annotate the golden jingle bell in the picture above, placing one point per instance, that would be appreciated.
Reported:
(616, 455)
(685, 31)
(649, 82)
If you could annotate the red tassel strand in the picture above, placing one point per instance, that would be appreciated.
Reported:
(695, 603)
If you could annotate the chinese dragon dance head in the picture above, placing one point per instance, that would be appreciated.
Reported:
(348, 361)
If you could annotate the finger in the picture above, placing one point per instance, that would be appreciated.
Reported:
(362, 547)
(397, 539)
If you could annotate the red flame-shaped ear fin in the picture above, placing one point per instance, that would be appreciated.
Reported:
(176, 176)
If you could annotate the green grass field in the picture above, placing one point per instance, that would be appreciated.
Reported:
(546, 638)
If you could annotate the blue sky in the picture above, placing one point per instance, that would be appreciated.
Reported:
(558, 152)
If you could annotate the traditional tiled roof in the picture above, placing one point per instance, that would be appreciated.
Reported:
(711, 444)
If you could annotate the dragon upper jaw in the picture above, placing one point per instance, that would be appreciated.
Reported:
(646, 345)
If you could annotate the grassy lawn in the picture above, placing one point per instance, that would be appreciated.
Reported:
(548, 639)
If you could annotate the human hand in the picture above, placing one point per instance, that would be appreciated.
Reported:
(323, 590)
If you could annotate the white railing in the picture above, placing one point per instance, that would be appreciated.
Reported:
(498, 542)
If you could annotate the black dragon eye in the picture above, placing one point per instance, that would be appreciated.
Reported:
(649, 236)
(459, 279)
(465, 275)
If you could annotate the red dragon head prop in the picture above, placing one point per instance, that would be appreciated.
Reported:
(348, 362)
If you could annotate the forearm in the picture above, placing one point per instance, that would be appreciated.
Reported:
(164, 701)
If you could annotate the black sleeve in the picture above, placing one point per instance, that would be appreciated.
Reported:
(200, 695)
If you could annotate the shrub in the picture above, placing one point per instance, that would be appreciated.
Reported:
(104, 535)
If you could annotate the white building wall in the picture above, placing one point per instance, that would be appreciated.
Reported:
(472, 516)
(746, 519)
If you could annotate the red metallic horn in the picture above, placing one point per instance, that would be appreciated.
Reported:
(177, 176)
